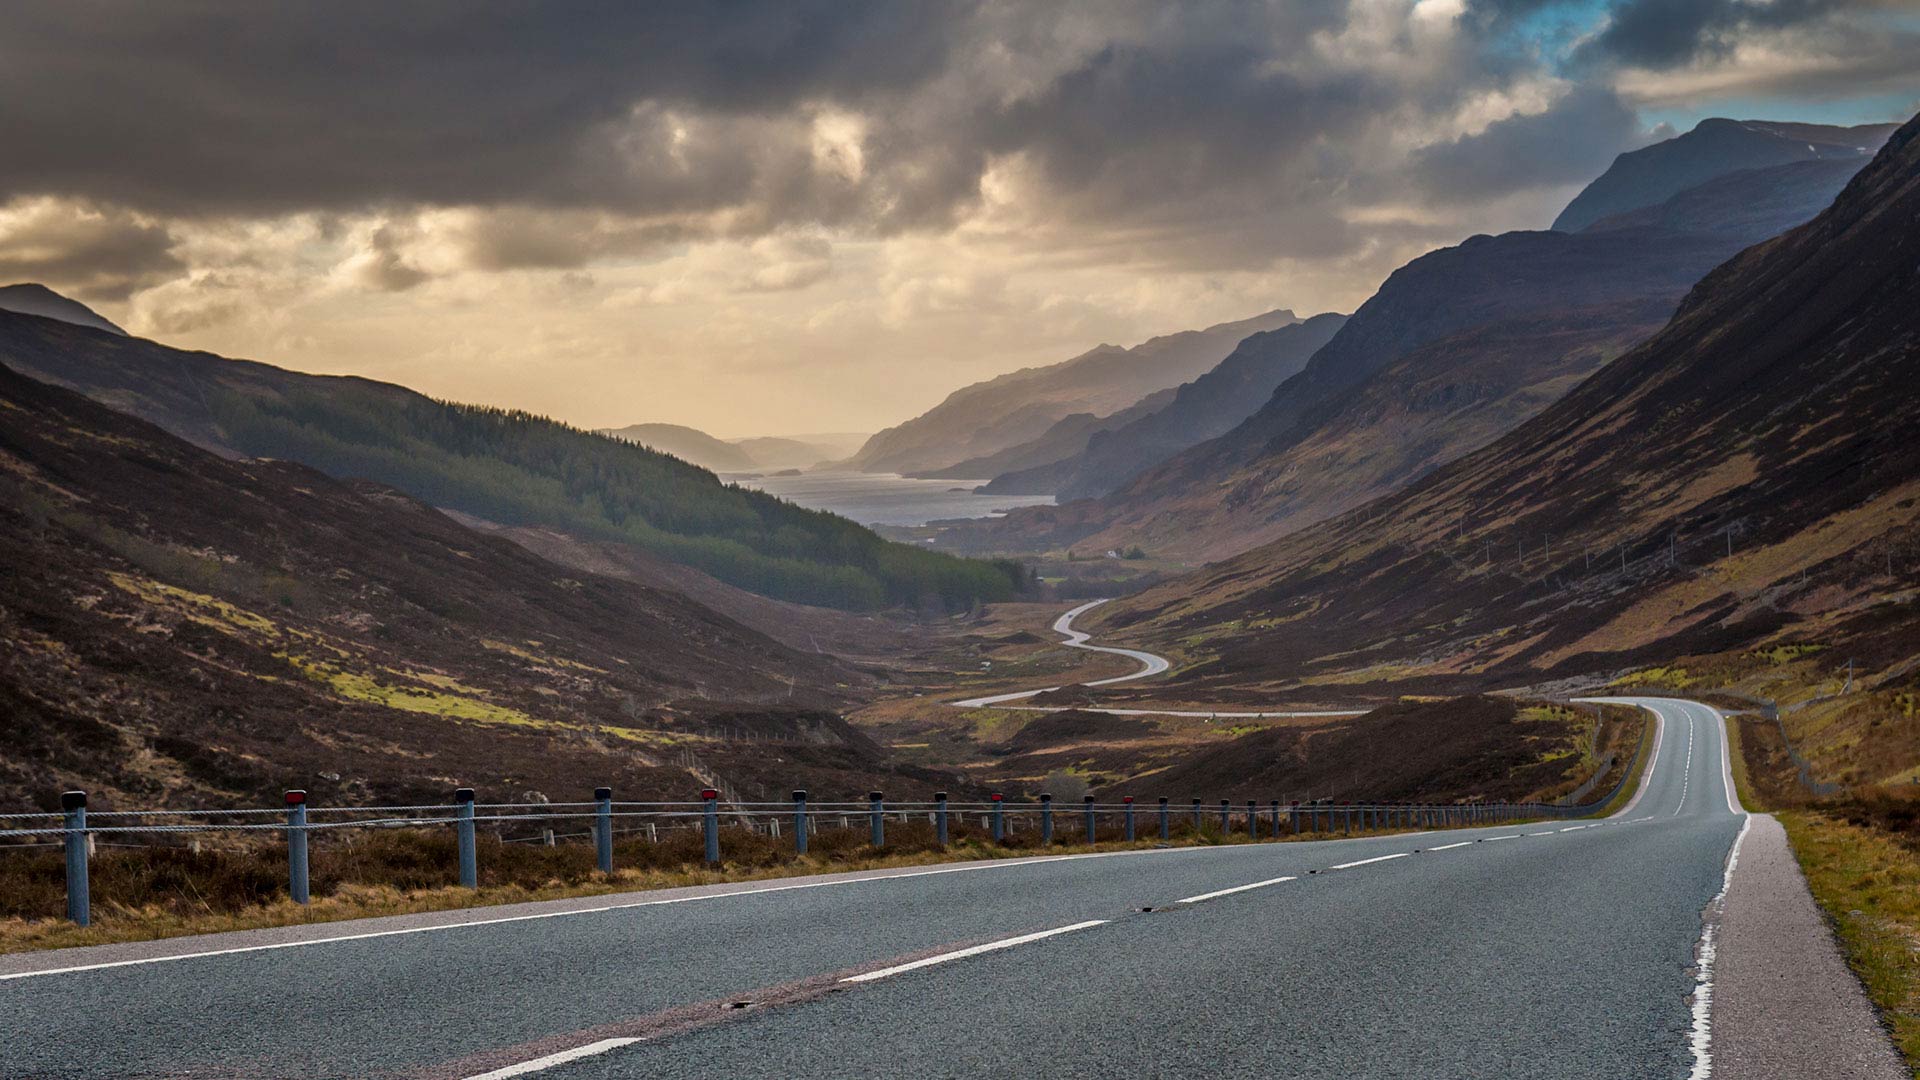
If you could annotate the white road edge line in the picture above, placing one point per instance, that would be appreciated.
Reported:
(987, 865)
(976, 950)
(1375, 859)
(1701, 1038)
(541, 1063)
(1235, 889)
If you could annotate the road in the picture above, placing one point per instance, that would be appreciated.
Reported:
(1150, 665)
(1551, 951)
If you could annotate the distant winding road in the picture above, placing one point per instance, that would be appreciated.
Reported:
(1150, 665)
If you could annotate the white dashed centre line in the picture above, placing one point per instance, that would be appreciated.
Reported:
(1450, 847)
(542, 1063)
(1235, 889)
(976, 950)
(1375, 859)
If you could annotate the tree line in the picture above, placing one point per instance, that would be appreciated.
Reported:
(517, 468)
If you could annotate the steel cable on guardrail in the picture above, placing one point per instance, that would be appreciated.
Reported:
(997, 816)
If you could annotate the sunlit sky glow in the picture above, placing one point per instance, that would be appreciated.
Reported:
(802, 217)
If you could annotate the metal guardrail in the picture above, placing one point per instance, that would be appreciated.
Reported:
(77, 830)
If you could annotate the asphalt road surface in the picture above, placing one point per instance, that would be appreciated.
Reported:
(1548, 950)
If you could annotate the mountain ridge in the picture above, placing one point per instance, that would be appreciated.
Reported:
(1457, 346)
(1749, 474)
(986, 417)
(33, 298)
(1714, 147)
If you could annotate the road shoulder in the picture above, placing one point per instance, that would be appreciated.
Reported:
(1785, 1003)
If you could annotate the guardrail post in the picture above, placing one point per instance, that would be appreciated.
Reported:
(1087, 802)
(877, 818)
(1128, 800)
(1276, 819)
(79, 905)
(710, 823)
(1196, 815)
(999, 816)
(1226, 824)
(297, 846)
(463, 831)
(1253, 819)
(940, 817)
(800, 821)
(1046, 819)
(603, 828)
(1293, 818)
(1166, 826)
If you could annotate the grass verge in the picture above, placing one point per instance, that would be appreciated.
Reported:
(1637, 770)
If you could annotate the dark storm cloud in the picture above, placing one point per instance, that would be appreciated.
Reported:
(1573, 141)
(249, 108)
(1209, 134)
(1133, 114)
(1667, 33)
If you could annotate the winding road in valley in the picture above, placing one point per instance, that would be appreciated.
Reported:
(1672, 940)
(1150, 665)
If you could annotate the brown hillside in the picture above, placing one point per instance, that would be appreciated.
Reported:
(184, 629)
(1776, 412)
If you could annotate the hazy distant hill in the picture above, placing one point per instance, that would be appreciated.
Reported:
(991, 416)
(1749, 474)
(30, 298)
(1714, 148)
(687, 444)
(1207, 407)
(799, 451)
(1058, 444)
(508, 467)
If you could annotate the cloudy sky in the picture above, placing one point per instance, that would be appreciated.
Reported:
(798, 216)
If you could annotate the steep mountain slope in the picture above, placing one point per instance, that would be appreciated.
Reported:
(1209, 406)
(509, 467)
(1457, 347)
(29, 298)
(1714, 148)
(1749, 475)
(180, 626)
(688, 444)
(990, 416)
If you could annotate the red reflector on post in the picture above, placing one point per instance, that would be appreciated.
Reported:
(996, 796)
(1126, 798)
(295, 798)
(709, 793)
